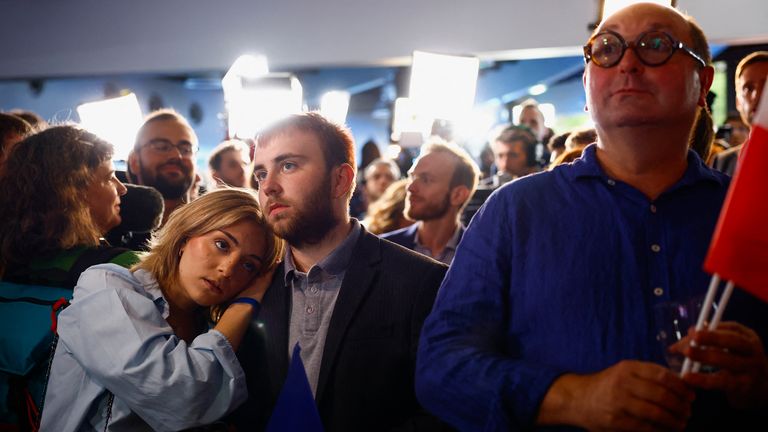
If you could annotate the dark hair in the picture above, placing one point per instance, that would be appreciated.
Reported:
(336, 140)
(558, 141)
(516, 133)
(703, 132)
(214, 161)
(34, 120)
(581, 137)
(11, 125)
(42, 193)
(370, 152)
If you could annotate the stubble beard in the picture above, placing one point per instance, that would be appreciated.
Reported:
(168, 189)
(311, 222)
(429, 212)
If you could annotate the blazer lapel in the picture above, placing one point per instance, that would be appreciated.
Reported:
(358, 280)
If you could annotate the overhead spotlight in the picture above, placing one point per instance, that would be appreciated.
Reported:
(253, 103)
(393, 151)
(115, 120)
(246, 66)
(443, 86)
(537, 89)
(334, 106)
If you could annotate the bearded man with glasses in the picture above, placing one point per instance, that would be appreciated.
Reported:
(515, 342)
(163, 157)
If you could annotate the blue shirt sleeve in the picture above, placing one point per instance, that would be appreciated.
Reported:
(118, 335)
(465, 373)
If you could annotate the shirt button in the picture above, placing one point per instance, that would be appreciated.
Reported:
(658, 291)
(310, 310)
(653, 208)
(611, 182)
(655, 247)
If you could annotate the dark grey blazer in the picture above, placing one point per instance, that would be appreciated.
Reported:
(367, 371)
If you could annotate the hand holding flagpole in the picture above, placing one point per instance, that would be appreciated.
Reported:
(738, 252)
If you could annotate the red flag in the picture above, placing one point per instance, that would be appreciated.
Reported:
(739, 248)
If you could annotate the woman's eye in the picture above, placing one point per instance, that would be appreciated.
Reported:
(250, 267)
(221, 244)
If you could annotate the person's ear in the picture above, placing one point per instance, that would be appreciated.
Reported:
(459, 195)
(133, 164)
(706, 75)
(343, 179)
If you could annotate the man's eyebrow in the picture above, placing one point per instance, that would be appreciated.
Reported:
(281, 158)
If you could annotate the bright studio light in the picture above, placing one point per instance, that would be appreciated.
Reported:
(261, 101)
(245, 67)
(393, 151)
(537, 89)
(611, 6)
(547, 109)
(443, 86)
(408, 120)
(115, 120)
(334, 106)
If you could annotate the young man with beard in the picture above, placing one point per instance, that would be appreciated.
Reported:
(751, 75)
(163, 157)
(440, 184)
(546, 316)
(353, 303)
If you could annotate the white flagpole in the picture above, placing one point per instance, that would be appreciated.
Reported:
(724, 298)
(703, 315)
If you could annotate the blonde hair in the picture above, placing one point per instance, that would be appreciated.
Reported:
(214, 210)
(386, 213)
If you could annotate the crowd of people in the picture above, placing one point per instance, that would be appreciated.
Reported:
(434, 296)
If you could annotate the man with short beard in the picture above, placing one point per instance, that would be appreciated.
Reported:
(352, 302)
(163, 157)
(440, 184)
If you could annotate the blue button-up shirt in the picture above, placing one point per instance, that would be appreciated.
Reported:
(559, 272)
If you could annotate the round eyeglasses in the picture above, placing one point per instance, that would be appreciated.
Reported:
(653, 48)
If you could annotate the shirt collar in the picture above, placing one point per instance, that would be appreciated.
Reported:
(587, 166)
(151, 287)
(452, 242)
(336, 262)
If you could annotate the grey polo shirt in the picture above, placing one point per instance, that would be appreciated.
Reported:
(313, 297)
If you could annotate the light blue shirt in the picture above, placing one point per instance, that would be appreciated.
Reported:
(114, 337)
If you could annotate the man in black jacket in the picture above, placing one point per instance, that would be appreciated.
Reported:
(353, 303)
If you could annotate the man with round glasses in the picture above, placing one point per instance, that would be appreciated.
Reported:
(514, 342)
(163, 157)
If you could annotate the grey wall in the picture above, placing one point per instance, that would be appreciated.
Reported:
(63, 38)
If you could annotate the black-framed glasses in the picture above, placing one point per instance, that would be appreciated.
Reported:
(653, 48)
(161, 145)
